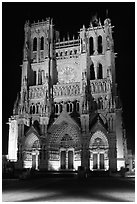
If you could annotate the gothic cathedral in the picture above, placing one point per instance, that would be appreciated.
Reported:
(68, 113)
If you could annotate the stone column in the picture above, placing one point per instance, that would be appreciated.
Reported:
(95, 70)
(98, 160)
(37, 160)
(67, 159)
(37, 77)
(95, 45)
(38, 49)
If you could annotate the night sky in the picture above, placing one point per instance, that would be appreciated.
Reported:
(68, 18)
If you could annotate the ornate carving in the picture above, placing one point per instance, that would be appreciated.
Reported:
(54, 155)
(100, 86)
(66, 90)
(37, 92)
(67, 75)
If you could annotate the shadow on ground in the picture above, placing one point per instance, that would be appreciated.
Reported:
(72, 189)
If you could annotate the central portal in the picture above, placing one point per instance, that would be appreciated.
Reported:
(66, 159)
(98, 161)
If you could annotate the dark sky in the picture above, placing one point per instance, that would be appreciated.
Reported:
(68, 18)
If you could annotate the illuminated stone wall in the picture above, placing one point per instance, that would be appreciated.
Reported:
(66, 113)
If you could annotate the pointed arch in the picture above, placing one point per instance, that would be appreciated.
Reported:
(98, 139)
(66, 134)
(77, 106)
(33, 111)
(92, 72)
(91, 46)
(56, 108)
(61, 107)
(42, 43)
(30, 141)
(35, 44)
(100, 71)
(67, 107)
(39, 77)
(100, 44)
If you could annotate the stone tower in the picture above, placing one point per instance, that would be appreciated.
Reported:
(67, 113)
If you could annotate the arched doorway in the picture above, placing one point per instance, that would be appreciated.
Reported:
(64, 148)
(35, 154)
(31, 152)
(66, 153)
(98, 148)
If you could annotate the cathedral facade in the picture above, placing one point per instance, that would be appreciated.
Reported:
(67, 113)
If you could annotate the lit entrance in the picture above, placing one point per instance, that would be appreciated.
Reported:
(31, 152)
(70, 160)
(35, 154)
(63, 159)
(66, 159)
(98, 161)
(33, 161)
(98, 148)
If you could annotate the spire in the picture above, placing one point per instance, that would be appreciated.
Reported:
(51, 21)
(91, 25)
(106, 13)
(68, 37)
(95, 20)
(100, 22)
(84, 27)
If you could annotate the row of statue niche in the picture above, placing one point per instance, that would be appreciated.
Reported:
(66, 90)
(38, 92)
(103, 103)
(99, 103)
(100, 86)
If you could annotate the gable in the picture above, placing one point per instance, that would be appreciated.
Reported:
(30, 140)
(98, 126)
(64, 117)
(31, 130)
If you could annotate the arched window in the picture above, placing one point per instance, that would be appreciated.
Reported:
(61, 54)
(71, 107)
(56, 54)
(34, 77)
(37, 108)
(39, 77)
(61, 108)
(56, 108)
(77, 106)
(67, 107)
(33, 109)
(100, 73)
(92, 72)
(35, 44)
(65, 52)
(42, 43)
(99, 44)
(30, 109)
(91, 51)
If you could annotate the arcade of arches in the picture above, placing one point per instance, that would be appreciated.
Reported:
(65, 150)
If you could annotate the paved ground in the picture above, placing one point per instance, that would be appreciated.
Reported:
(69, 189)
